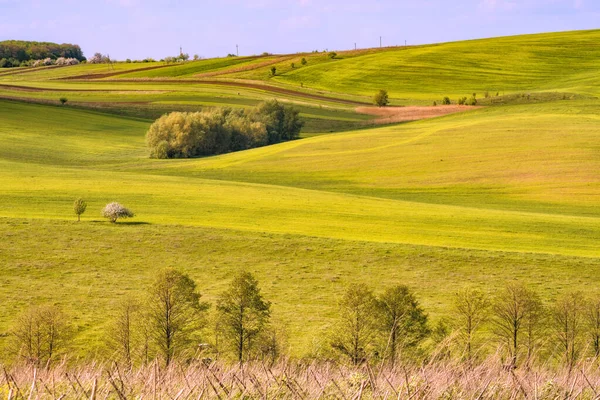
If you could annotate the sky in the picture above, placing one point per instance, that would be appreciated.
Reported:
(138, 29)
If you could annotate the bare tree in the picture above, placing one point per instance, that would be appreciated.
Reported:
(243, 314)
(40, 333)
(592, 317)
(122, 331)
(517, 316)
(175, 313)
(402, 320)
(355, 334)
(568, 323)
(471, 309)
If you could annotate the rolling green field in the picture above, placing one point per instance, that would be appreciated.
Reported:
(486, 196)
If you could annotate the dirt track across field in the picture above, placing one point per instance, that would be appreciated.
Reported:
(389, 115)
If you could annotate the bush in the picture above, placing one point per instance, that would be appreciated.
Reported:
(303, 62)
(381, 99)
(332, 55)
(273, 71)
(446, 101)
(435, 103)
(471, 102)
(221, 130)
(462, 101)
(114, 211)
(63, 100)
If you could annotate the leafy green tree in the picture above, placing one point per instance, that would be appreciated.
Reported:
(273, 71)
(303, 62)
(63, 100)
(471, 310)
(355, 334)
(243, 314)
(381, 98)
(282, 122)
(79, 206)
(446, 101)
(401, 319)
(175, 314)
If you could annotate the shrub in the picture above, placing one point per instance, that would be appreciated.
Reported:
(381, 98)
(332, 55)
(293, 65)
(462, 101)
(114, 211)
(446, 101)
(221, 130)
(63, 100)
(273, 71)
(303, 62)
(435, 103)
(471, 102)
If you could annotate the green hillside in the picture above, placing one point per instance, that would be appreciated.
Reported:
(485, 196)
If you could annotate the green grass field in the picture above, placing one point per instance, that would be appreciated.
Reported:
(510, 191)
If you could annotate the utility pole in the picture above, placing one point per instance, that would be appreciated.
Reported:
(405, 43)
(180, 50)
(237, 50)
(379, 41)
(355, 46)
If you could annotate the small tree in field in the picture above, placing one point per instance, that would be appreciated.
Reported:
(63, 100)
(79, 207)
(303, 62)
(243, 314)
(114, 211)
(273, 71)
(381, 99)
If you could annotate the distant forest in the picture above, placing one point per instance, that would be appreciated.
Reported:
(16, 53)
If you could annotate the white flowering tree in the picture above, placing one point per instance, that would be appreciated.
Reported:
(114, 211)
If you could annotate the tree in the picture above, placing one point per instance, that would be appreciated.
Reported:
(332, 55)
(114, 211)
(518, 312)
(40, 333)
(63, 100)
(282, 122)
(79, 206)
(303, 62)
(592, 317)
(446, 101)
(175, 313)
(293, 65)
(243, 314)
(402, 321)
(471, 308)
(568, 323)
(356, 331)
(121, 334)
(273, 71)
(381, 99)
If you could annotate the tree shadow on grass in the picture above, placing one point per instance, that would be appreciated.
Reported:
(98, 221)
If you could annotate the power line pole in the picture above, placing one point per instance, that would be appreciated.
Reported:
(379, 41)
(355, 46)
(237, 50)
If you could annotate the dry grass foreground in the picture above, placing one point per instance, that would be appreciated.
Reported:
(390, 115)
(209, 380)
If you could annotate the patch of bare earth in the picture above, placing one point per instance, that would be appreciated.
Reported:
(389, 115)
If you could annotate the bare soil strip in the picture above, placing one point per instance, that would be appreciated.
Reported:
(36, 89)
(390, 115)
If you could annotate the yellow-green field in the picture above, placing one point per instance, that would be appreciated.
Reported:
(485, 196)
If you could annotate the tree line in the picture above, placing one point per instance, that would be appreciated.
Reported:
(222, 130)
(17, 53)
(172, 322)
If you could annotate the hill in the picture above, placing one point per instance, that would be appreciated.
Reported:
(485, 196)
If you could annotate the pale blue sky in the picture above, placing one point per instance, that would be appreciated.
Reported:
(156, 28)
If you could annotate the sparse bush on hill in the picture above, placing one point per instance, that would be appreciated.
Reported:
(114, 211)
(63, 100)
(462, 101)
(381, 98)
(303, 62)
(273, 71)
(332, 55)
(222, 130)
(446, 101)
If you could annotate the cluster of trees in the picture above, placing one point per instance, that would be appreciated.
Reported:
(112, 211)
(17, 53)
(222, 130)
(173, 322)
(515, 322)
